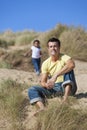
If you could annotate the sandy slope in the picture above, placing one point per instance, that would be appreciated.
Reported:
(19, 76)
(81, 76)
(31, 78)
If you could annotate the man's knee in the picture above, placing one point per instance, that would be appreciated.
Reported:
(69, 78)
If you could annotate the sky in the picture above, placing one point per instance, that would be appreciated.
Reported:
(41, 15)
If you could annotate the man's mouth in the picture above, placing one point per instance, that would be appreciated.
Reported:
(53, 52)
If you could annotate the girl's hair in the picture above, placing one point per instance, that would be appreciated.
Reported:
(36, 41)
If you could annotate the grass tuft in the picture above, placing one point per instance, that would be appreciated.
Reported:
(11, 100)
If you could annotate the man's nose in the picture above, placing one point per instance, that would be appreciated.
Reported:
(53, 47)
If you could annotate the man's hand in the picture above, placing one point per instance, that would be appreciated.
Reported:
(51, 82)
(48, 83)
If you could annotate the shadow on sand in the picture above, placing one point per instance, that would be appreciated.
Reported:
(81, 95)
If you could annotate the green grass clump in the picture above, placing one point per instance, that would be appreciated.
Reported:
(11, 100)
(74, 43)
(4, 64)
(73, 39)
(62, 117)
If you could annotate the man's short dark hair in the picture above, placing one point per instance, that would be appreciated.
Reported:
(53, 39)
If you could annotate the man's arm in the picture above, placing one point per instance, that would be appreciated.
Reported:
(68, 67)
(44, 81)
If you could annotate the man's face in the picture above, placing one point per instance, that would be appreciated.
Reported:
(53, 48)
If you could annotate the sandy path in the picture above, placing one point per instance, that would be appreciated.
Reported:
(19, 76)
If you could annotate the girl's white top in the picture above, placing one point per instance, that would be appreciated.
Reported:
(36, 52)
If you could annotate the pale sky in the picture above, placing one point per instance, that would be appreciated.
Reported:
(41, 15)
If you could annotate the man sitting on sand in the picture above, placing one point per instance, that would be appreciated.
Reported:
(57, 76)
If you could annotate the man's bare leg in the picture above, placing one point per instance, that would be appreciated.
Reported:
(67, 92)
(40, 105)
